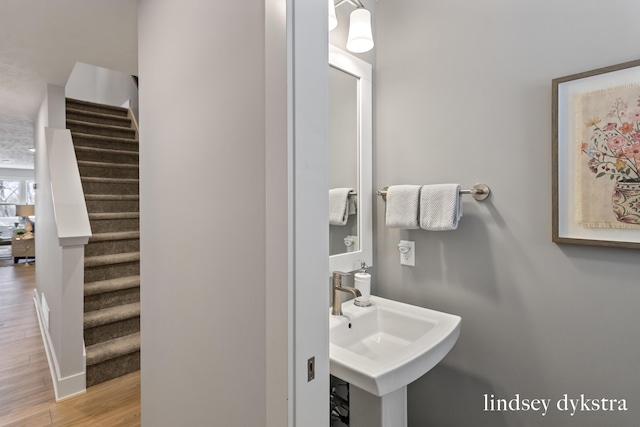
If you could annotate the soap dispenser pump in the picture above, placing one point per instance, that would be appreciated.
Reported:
(362, 282)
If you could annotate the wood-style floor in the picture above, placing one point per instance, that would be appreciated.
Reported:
(26, 391)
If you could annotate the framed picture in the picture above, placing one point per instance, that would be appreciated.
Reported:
(596, 157)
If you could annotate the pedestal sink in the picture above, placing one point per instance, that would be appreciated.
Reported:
(381, 349)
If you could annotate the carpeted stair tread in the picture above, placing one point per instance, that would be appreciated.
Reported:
(111, 285)
(111, 314)
(105, 139)
(114, 215)
(107, 164)
(106, 197)
(105, 150)
(109, 180)
(92, 106)
(95, 117)
(116, 235)
(113, 348)
(99, 260)
(98, 128)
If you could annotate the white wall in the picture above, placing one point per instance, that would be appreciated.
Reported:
(96, 84)
(203, 311)
(217, 296)
(16, 173)
(464, 95)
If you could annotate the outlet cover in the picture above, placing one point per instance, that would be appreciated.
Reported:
(407, 250)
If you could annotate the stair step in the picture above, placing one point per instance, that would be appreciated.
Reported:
(111, 197)
(119, 223)
(98, 118)
(113, 241)
(111, 271)
(107, 165)
(113, 215)
(100, 129)
(108, 170)
(107, 151)
(113, 348)
(102, 260)
(112, 285)
(106, 154)
(118, 235)
(100, 141)
(109, 180)
(100, 108)
(112, 203)
(96, 184)
(111, 315)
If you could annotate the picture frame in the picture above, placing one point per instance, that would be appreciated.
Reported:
(594, 137)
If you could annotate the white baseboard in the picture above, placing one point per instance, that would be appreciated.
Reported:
(63, 387)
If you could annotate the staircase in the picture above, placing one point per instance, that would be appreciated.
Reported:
(106, 146)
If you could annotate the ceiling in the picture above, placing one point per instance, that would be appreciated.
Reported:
(40, 42)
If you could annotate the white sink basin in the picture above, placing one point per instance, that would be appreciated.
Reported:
(389, 344)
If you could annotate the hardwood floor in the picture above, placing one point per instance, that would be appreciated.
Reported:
(26, 391)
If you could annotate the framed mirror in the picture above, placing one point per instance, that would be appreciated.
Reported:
(343, 162)
(350, 161)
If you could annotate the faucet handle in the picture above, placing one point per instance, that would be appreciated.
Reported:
(337, 278)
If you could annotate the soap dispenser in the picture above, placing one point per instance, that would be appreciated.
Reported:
(362, 282)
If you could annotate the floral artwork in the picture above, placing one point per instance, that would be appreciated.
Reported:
(608, 168)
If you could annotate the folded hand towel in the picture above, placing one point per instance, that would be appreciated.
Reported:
(440, 207)
(403, 202)
(340, 205)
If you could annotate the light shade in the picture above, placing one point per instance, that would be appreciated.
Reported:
(333, 19)
(360, 37)
(25, 210)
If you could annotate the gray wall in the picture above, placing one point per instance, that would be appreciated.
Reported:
(464, 95)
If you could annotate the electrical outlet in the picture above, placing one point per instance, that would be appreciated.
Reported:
(407, 252)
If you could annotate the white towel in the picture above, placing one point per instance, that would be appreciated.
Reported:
(341, 205)
(440, 207)
(403, 202)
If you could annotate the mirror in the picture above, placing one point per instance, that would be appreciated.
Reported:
(343, 162)
(350, 162)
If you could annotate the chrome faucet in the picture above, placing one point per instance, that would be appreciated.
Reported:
(336, 280)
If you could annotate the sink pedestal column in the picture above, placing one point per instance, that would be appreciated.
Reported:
(367, 410)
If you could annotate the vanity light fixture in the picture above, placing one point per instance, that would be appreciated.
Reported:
(360, 38)
(333, 19)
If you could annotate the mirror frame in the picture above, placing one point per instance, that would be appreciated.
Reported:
(350, 261)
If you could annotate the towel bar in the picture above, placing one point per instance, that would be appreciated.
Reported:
(478, 192)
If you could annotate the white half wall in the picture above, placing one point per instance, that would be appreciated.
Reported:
(58, 269)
